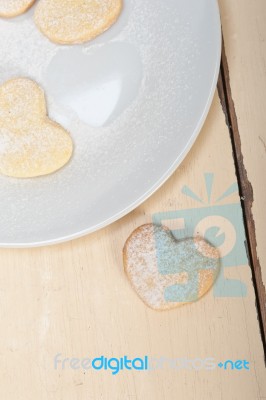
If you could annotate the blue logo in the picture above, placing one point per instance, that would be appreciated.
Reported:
(116, 365)
(220, 224)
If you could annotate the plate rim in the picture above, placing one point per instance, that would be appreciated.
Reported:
(158, 184)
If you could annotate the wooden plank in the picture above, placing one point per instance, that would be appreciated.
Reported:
(75, 299)
(245, 47)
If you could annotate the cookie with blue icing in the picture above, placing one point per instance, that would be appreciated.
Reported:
(167, 273)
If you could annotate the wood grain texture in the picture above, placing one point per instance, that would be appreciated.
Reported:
(244, 31)
(246, 193)
(75, 299)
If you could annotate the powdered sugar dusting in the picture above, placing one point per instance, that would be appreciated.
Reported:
(155, 262)
(30, 144)
(143, 137)
(11, 8)
(76, 21)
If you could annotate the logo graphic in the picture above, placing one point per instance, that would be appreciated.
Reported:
(220, 224)
(116, 365)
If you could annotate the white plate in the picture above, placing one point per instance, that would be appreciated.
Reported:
(134, 101)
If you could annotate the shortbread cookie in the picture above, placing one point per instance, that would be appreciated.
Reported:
(12, 8)
(76, 21)
(30, 143)
(167, 273)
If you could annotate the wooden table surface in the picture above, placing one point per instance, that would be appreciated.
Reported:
(75, 299)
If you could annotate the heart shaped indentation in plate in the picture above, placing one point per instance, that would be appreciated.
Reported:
(98, 84)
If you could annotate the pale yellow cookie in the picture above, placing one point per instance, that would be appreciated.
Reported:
(76, 21)
(12, 8)
(31, 144)
(167, 273)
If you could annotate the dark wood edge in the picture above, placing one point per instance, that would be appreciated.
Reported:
(246, 193)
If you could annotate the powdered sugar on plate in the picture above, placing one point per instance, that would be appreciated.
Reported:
(151, 115)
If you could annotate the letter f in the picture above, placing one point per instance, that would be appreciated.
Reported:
(57, 360)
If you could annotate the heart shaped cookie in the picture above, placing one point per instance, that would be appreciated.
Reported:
(76, 21)
(12, 8)
(30, 143)
(167, 273)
